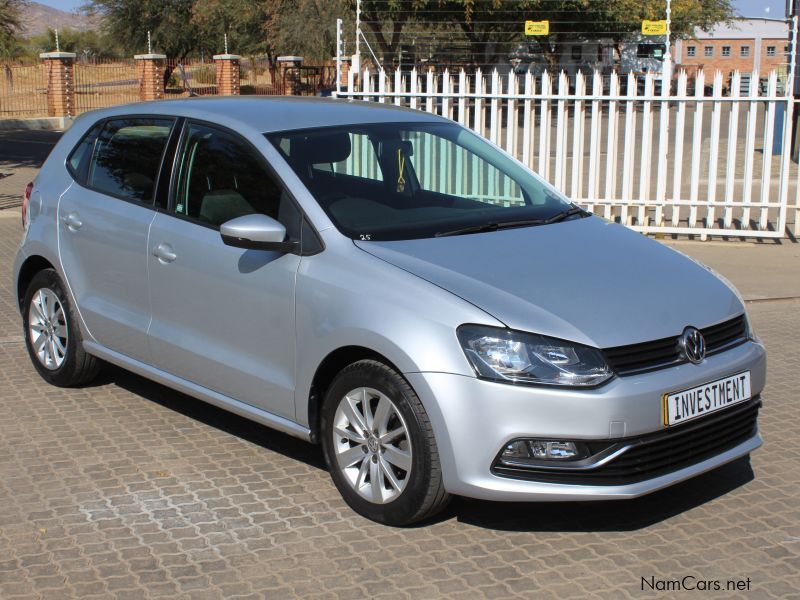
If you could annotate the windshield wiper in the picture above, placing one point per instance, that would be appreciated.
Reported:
(565, 214)
(494, 226)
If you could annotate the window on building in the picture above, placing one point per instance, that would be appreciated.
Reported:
(744, 51)
(770, 50)
(708, 51)
(726, 51)
(654, 51)
(691, 51)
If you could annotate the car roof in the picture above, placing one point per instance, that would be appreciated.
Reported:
(275, 113)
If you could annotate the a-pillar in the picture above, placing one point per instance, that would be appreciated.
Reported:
(290, 74)
(60, 71)
(227, 74)
(150, 71)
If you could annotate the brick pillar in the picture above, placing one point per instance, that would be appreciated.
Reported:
(227, 74)
(60, 73)
(288, 73)
(344, 70)
(150, 71)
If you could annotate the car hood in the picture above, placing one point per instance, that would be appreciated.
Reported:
(585, 280)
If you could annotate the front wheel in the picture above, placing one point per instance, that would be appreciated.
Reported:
(379, 446)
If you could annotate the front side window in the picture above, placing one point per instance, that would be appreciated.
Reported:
(221, 177)
(744, 51)
(127, 156)
(708, 51)
(726, 51)
(691, 51)
(770, 50)
(429, 179)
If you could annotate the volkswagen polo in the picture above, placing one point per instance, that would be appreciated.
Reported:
(387, 284)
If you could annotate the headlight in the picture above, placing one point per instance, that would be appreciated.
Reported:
(518, 357)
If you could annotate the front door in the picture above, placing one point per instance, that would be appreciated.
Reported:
(103, 224)
(223, 317)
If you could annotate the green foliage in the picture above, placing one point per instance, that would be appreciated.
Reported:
(307, 28)
(88, 44)
(242, 20)
(9, 26)
(172, 30)
(480, 30)
(493, 27)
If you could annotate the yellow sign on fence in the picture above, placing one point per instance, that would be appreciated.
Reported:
(537, 27)
(654, 27)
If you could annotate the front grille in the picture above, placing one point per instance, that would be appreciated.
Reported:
(666, 352)
(655, 454)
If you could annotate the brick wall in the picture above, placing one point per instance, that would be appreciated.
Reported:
(757, 58)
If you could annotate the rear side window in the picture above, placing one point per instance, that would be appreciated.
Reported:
(127, 156)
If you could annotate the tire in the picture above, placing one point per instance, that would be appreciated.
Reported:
(52, 333)
(392, 474)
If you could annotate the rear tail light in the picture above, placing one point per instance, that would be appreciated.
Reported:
(26, 197)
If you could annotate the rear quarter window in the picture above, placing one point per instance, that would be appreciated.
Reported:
(78, 161)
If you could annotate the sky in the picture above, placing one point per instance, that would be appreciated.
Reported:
(749, 8)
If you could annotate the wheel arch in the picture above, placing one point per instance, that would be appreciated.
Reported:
(330, 366)
(32, 265)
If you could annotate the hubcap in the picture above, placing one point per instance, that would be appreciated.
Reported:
(372, 445)
(47, 326)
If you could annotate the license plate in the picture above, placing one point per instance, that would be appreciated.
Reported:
(701, 400)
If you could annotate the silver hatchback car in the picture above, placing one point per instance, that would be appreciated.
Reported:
(388, 284)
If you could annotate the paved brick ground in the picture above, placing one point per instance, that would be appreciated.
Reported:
(127, 489)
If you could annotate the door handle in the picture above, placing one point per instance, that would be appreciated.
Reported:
(72, 221)
(164, 253)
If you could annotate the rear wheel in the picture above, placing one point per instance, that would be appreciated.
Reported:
(379, 446)
(52, 335)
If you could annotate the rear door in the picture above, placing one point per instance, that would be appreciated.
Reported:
(224, 317)
(103, 222)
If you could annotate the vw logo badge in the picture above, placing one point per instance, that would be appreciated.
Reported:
(694, 345)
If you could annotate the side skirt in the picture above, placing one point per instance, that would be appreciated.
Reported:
(187, 387)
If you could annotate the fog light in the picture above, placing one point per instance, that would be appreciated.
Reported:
(553, 450)
(543, 450)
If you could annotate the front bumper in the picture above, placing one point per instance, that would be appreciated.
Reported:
(473, 419)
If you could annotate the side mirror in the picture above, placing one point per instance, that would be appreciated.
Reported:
(256, 232)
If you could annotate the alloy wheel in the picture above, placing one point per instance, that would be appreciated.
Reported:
(47, 327)
(372, 445)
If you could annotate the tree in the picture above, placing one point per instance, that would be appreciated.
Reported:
(306, 27)
(492, 28)
(9, 25)
(86, 44)
(244, 22)
(169, 22)
(385, 20)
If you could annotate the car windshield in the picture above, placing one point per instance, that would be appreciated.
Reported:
(393, 181)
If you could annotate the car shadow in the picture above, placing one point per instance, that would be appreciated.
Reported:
(208, 414)
(609, 515)
(615, 515)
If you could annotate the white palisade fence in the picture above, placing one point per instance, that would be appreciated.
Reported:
(694, 157)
